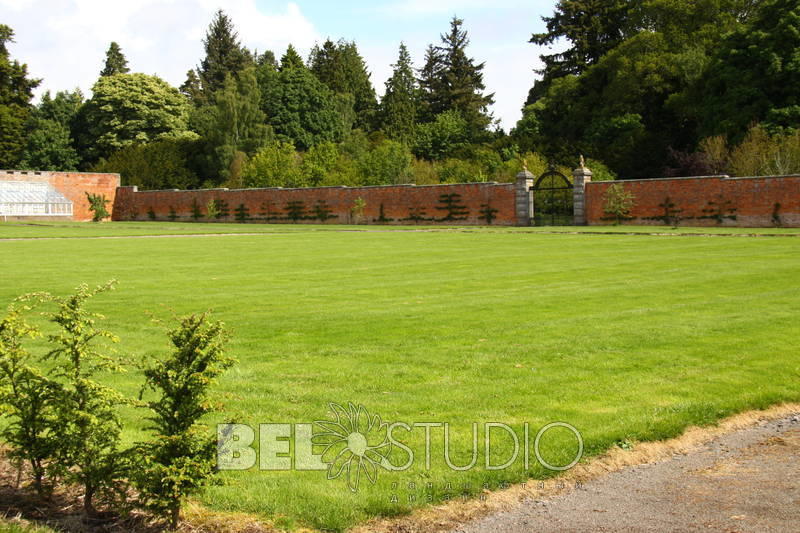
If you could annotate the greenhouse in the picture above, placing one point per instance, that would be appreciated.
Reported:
(32, 199)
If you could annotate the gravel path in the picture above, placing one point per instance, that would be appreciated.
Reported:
(745, 481)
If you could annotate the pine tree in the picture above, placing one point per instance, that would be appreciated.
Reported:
(400, 103)
(431, 84)
(224, 55)
(16, 93)
(192, 88)
(464, 81)
(115, 61)
(291, 59)
(300, 108)
(342, 69)
(592, 27)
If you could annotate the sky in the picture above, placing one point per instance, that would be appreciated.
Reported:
(64, 41)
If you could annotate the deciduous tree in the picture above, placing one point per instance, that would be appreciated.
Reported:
(128, 109)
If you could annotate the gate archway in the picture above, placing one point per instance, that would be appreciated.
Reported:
(552, 200)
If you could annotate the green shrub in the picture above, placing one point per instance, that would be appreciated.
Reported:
(617, 203)
(97, 205)
(275, 165)
(28, 399)
(357, 211)
(180, 458)
(87, 425)
(161, 164)
(211, 209)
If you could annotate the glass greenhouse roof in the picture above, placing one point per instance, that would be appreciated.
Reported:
(26, 198)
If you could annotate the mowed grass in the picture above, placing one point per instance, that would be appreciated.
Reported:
(68, 230)
(625, 337)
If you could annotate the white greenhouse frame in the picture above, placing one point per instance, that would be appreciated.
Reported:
(32, 199)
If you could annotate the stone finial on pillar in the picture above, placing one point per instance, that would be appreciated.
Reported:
(581, 176)
(524, 197)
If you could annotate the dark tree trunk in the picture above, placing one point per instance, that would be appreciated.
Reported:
(88, 505)
(175, 517)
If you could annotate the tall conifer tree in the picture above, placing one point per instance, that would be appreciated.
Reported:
(16, 93)
(342, 69)
(116, 63)
(400, 103)
(225, 56)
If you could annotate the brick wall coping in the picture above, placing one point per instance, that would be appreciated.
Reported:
(492, 183)
(22, 172)
(723, 177)
(682, 178)
(45, 172)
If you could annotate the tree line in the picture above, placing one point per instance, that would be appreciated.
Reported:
(645, 88)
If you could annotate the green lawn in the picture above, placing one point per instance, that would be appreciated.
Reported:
(623, 336)
(37, 230)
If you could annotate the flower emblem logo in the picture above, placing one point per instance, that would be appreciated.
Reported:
(356, 444)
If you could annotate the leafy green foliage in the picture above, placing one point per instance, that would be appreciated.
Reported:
(211, 209)
(88, 428)
(342, 69)
(181, 457)
(50, 143)
(357, 211)
(754, 74)
(274, 165)
(758, 154)
(27, 398)
(672, 213)
(442, 137)
(617, 203)
(453, 208)
(295, 210)
(237, 124)
(241, 213)
(300, 108)
(222, 209)
(128, 109)
(322, 211)
(400, 102)
(488, 213)
(161, 164)
(451, 81)
(48, 147)
(116, 63)
(16, 92)
(225, 57)
(97, 205)
(719, 210)
(592, 28)
(197, 213)
(636, 103)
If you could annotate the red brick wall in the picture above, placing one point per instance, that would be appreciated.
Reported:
(397, 200)
(73, 185)
(754, 200)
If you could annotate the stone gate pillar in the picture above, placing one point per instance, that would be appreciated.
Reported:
(524, 196)
(581, 176)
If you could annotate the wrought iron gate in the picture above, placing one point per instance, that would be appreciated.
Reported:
(552, 200)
